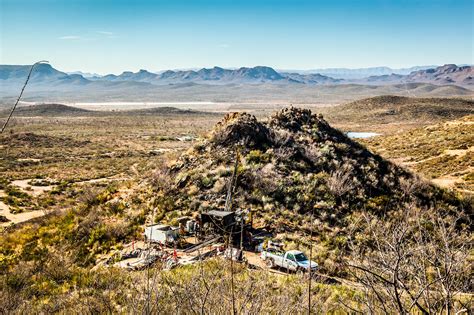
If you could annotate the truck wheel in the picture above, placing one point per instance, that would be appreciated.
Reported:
(270, 263)
(300, 272)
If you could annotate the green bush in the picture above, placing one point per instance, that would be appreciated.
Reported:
(4, 183)
(207, 181)
(258, 157)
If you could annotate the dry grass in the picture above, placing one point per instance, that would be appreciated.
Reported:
(81, 148)
(392, 114)
(443, 151)
(45, 263)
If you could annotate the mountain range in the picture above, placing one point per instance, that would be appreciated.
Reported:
(46, 74)
(444, 75)
(217, 76)
(219, 85)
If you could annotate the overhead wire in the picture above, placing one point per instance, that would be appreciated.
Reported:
(21, 93)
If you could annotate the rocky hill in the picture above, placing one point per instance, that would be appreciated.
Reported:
(288, 166)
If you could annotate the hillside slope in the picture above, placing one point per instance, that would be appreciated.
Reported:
(46, 110)
(382, 111)
(290, 165)
(442, 152)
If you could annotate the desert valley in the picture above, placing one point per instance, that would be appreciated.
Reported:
(328, 167)
(236, 157)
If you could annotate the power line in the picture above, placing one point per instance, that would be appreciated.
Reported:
(21, 93)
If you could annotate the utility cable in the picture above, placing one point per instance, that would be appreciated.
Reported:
(21, 93)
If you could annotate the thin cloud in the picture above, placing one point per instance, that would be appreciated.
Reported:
(105, 33)
(223, 45)
(69, 37)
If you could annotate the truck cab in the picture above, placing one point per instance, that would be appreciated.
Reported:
(293, 260)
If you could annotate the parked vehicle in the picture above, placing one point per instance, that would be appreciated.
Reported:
(293, 260)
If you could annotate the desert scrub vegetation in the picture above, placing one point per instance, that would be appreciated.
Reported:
(423, 143)
(16, 199)
(415, 261)
(45, 261)
(446, 164)
(80, 231)
(437, 151)
(58, 197)
(296, 173)
(198, 288)
(105, 144)
(290, 168)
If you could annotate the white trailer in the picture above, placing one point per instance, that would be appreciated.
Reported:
(161, 233)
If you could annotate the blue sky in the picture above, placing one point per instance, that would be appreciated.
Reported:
(111, 36)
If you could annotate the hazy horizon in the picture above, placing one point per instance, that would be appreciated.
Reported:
(235, 68)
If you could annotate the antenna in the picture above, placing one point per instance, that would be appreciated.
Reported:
(21, 93)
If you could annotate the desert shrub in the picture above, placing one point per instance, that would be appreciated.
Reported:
(207, 181)
(42, 182)
(164, 138)
(4, 182)
(89, 195)
(199, 147)
(18, 279)
(257, 157)
(16, 199)
(378, 203)
(116, 207)
(58, 189)
(16, 192)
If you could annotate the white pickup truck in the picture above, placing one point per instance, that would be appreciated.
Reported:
(293, 260)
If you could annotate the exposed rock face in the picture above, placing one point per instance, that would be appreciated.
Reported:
(246, 131)
(242, 129)
(293, 119)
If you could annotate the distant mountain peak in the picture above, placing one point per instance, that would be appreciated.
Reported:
(446, 74)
